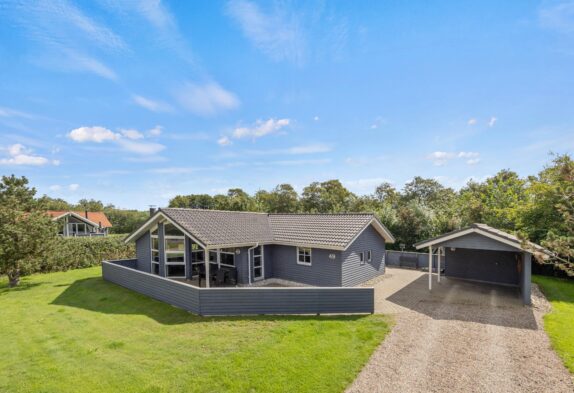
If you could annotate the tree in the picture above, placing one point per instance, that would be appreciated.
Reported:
(193, 201)
(48, 203)
(91, 205)
(326, 197)
(282, 199)
(26, 233)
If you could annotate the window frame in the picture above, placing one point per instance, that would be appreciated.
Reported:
(304, 250)
(152, 250)
(361, 258)
(220, 252)
(261, 255)
(166, 253)
(369, 256)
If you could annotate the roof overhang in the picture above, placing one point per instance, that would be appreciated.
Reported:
(158, 217)
(75, 215)
(379, 227)
(464, 232)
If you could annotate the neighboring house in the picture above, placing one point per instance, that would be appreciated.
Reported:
(328, 250)
(73, 223)
(485, 254)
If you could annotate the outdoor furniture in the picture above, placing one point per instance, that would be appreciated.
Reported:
(220, 276)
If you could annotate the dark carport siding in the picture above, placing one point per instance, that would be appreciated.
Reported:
(477, 254)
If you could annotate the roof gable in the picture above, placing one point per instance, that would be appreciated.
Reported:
(95, 218)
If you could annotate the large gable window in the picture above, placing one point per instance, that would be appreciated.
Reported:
(304, 256)
(174, 244)
(154, 251)
(227, 257)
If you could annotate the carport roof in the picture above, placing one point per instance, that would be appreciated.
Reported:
(488, 231)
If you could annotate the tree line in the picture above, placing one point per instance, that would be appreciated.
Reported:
(539, 208)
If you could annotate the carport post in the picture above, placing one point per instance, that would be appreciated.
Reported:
(430, 268)
(438, 262)
(206, 261)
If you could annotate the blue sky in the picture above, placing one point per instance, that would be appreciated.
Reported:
(135, 102)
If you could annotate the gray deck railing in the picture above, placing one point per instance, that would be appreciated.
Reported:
(240, 301)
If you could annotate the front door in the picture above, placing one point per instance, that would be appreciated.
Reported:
(258, 263)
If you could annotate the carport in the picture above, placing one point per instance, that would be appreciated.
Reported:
(484, 254)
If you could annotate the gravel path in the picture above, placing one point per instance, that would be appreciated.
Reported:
(463, 338)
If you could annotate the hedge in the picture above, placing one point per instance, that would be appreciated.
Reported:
(78, 252)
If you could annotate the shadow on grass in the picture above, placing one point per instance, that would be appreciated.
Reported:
(95, 294)
(23, 286)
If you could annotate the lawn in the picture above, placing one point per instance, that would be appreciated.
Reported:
(73, 332)
(559, 324)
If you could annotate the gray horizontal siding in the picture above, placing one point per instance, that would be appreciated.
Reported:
(159, 288)
(143, 252)
(478, 242)
(252, 301)
(353, 273)
(323, 272)
(241, 301)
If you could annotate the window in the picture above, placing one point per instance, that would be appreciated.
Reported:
(361, 258)
(369, 256)
(154, 251)
(174, 248)
(227, 257)
(258, 263)
(197, 254)
(304, 256)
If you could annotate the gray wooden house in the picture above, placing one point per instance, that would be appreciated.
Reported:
(244, 248)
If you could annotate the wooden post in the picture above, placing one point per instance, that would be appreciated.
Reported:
(438, 263)
(430, 268)
(207, 275)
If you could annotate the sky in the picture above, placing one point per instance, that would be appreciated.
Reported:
(135, 102)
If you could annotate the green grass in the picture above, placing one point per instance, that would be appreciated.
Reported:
(73, 332)
(559, 324)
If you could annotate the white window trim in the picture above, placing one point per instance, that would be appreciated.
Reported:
(166, 252)
(369, 256)
(219, 252)
(151, 237)
(310, 256)
(262, 255)
(362, 258)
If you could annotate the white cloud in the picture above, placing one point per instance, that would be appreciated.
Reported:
(472, 121)
(141, 147)
(440, 158)
(278, 33)
(151, 105)
(156, 131)
(309, 149)
(366, 185)
(492, 121)
(207, 99)
(260, 128)
(18, 154)
(55, 187)
(224, 141)
(559, 17)
(316, 118)
(125, 139)
(8, 112)
(73, 187)
(93, 134)
(379, 122)
(132, 134)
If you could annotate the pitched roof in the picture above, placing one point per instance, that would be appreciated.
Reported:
(216, 228)
(486, 230)
(95, 217)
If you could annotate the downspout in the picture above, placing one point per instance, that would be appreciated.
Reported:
(249, 261)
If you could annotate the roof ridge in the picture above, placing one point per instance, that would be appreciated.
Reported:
(211, 210)
(324, 214)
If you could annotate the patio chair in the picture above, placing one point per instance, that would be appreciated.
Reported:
(220, 277)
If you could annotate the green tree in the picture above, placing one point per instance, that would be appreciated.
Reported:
(26, 232)
(91, 205)
(282, 199)
(193, 201)
(326, 197)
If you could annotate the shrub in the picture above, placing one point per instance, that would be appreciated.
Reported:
(79, 252)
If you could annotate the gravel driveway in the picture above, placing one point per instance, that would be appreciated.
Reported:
(462, 338)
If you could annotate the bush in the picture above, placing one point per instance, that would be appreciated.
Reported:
(79, 252)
